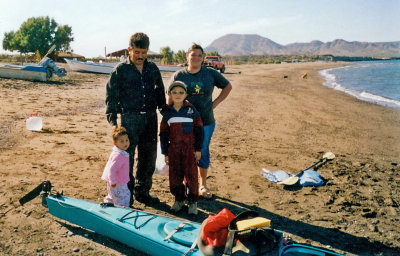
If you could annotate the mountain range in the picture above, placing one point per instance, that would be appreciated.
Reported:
(251, 44)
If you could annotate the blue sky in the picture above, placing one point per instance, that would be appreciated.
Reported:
(97, 24)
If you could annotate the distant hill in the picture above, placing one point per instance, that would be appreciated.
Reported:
(245, 44)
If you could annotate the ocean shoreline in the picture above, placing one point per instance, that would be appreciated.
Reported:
(331, 82)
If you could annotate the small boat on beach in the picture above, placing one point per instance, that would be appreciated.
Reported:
(34, 72)
(153, 234)
(169, 68)
(106, 68)
(82, 66)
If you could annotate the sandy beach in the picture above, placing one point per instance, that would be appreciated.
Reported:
(268, 121)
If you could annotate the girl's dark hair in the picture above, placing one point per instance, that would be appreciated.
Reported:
(118, 131)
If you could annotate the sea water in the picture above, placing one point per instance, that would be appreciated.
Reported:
(373, 81)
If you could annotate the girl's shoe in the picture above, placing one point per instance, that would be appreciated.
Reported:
(177, 206)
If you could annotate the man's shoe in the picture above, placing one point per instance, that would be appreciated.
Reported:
(177, 206)
(147, 199)
(193, 208)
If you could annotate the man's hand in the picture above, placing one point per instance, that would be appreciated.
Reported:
(198, 155)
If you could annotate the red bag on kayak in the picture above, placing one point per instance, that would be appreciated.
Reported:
(215, 230)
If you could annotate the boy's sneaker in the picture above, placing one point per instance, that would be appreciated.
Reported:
(178, 206)
(193, 208)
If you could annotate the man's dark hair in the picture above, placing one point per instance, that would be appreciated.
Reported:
(194, 47)
(139, 40)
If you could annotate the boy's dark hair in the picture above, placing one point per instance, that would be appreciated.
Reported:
(139, 40)
(118, 131)
(194, 47)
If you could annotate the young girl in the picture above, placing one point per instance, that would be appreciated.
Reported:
(116, 172)
(181, 136)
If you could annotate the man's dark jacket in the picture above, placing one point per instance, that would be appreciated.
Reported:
(130, 91)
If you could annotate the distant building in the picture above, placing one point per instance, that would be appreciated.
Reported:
(118, 54)
(152, 56)
(59, 56)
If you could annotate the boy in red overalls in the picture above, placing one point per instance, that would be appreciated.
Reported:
(181, 136)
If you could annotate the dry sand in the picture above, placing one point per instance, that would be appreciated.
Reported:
(268, 121)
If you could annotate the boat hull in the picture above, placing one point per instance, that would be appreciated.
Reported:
(34, 73)
(80, 66)
(137, 229)
(168, 68)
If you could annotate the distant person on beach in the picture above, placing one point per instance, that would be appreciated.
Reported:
(200, 83)
(135, 89)
(116, 172)
(181, 136)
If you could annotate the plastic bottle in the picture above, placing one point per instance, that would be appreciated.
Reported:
(34, 123)
(275, 176)
(161, 167)
(266, 174)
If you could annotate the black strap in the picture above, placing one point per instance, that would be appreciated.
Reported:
(106, 204)
(229, 243)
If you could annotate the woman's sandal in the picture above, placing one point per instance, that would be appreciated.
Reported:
(205, 192)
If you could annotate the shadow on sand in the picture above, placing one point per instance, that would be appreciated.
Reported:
(333, 237)
(100, 239)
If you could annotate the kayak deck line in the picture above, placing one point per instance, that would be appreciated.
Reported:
(125, 217)
(122, 219)
(179, 227)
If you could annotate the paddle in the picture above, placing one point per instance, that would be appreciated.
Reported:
(295, 178)
(44, 186)
(49, 51)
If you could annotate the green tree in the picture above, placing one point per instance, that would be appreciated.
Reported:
(180, 57)
(38, 34)
(62, 37)
(167, 54)
(8, 43)
(213, 53)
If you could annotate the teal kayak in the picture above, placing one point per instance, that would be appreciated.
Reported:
(143, 231)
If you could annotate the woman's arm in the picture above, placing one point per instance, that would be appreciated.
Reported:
(222, 96)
